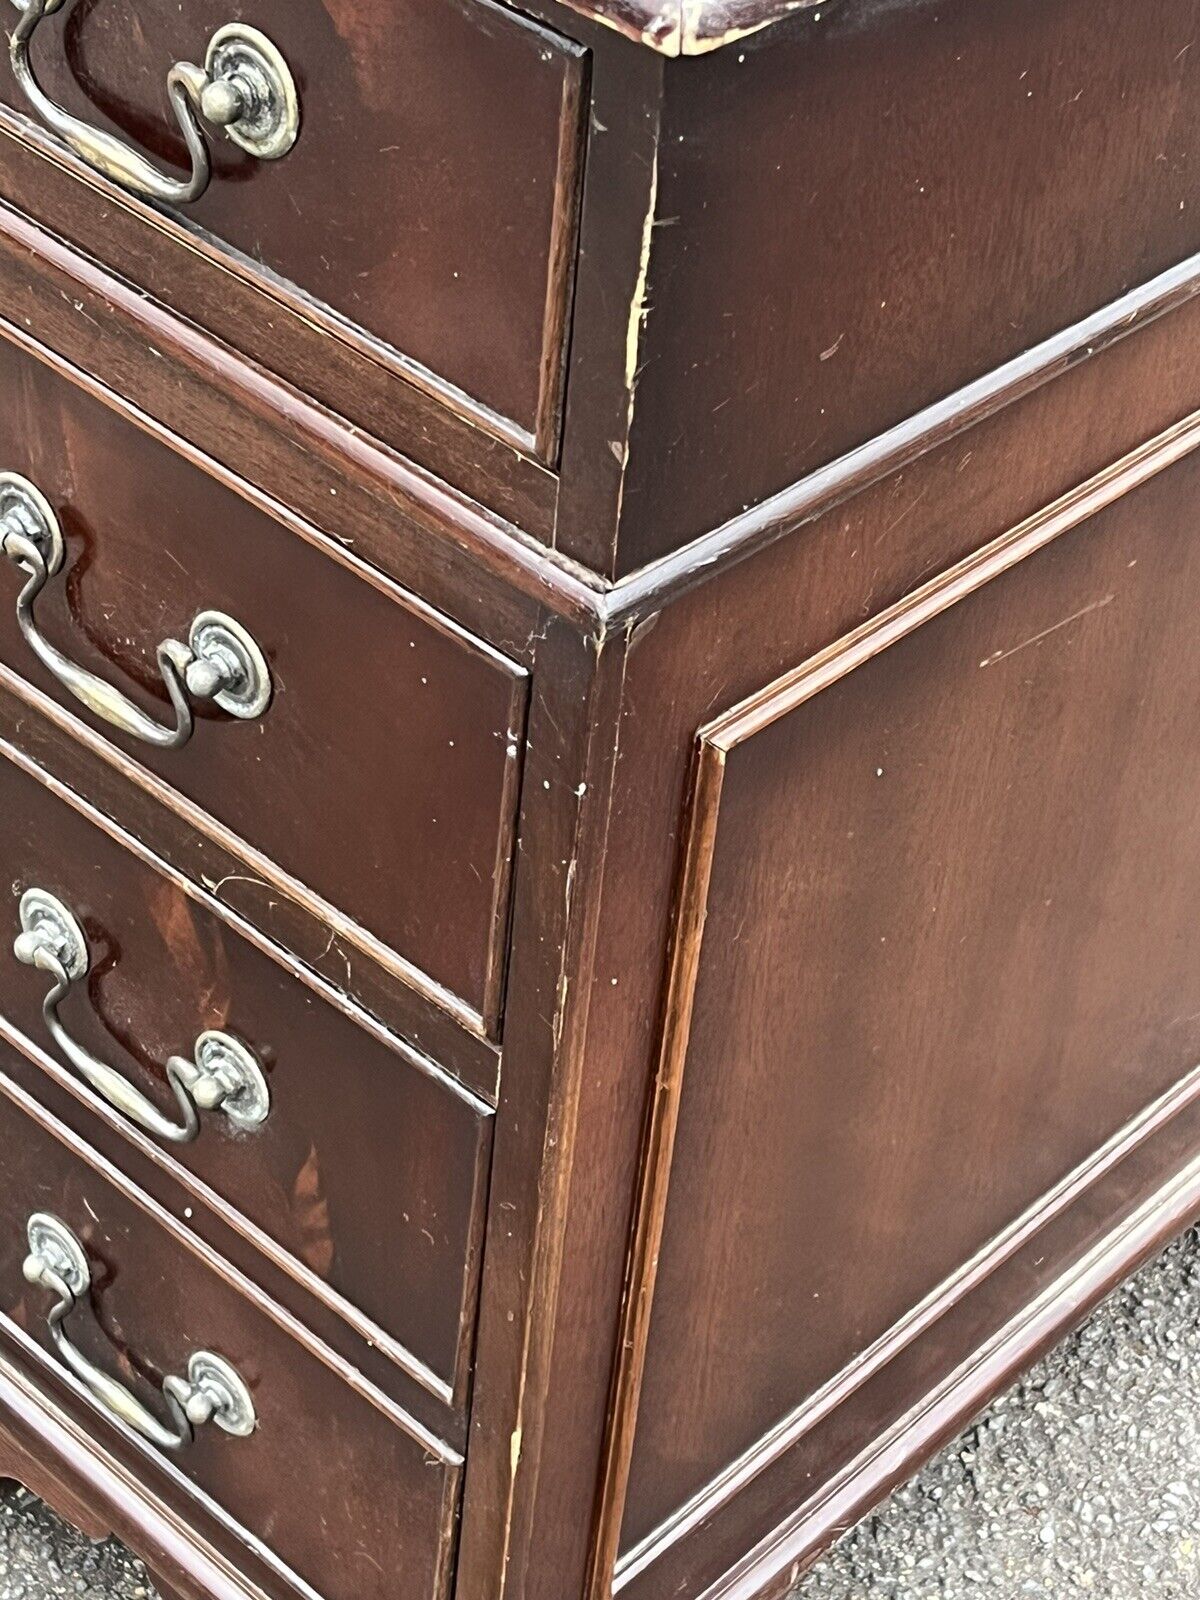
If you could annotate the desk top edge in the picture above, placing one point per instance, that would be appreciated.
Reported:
(688, 27)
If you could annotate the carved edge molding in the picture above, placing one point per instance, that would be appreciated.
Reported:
(771, 1570)
(608, 1575)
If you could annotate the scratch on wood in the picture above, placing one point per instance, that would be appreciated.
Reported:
(564, 977)
(638, 313)
(1003, 655)
(909, 508)
(639, 310)
(215, 888)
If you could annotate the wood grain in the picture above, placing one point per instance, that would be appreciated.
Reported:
(414, 733)
(981, 951)
(163, 971)
(371, 1487)
(459, 126)
(859, 315)
(1012, 169)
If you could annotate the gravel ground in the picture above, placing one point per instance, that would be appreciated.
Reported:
(41, 1558)
(1085, 1480)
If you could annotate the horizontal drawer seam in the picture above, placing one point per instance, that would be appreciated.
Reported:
(329, 993)
(258, 865)
(215, 1263)
(231, 1217)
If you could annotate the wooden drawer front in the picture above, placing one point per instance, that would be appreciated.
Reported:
(941, 954)
(357, 1505)
(381, 779)
(425, 211)
(354, 1131)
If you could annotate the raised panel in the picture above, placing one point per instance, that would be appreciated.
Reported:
(937, 973)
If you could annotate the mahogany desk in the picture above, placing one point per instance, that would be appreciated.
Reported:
(599, 754)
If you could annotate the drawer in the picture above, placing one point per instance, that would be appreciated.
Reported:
(342, 1128)
(376, 791)
(374, 1497)
(423, 218)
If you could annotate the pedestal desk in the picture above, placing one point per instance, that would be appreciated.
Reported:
(599, 753)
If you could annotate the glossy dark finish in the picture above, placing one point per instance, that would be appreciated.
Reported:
(377, 1502)
(593, 904)
(367, 395)
(385, 722)
(110, 340)
(595, 1402)
(756, 621)
(474, 171)
(931, 934)
(961, 251)
(720, 635)
(762, 1539)
(35, 726)
(873, 205)
(163, 970)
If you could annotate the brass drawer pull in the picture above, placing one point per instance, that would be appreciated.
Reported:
(220, 662)
(212, 1391)
(223, 1074)
(245, 87)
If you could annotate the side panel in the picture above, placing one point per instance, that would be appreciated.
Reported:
(936, 979)
(872, 204)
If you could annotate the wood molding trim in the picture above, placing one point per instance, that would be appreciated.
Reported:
(282, 438)
(650, 588)
(362, 1325)
(790, 1429)
(330, 994)
(564, 239)
(778, 698)
(82, 320)
(715, 741)
(439, 408)
(773, 1567)
(655, 1174)
(427, 1438)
